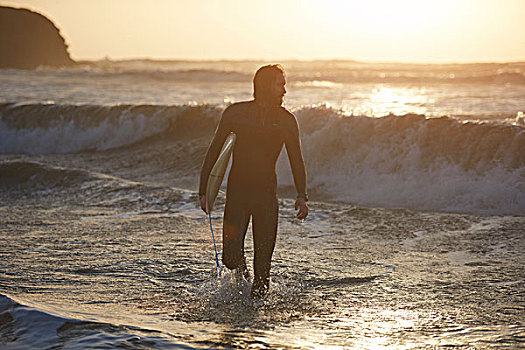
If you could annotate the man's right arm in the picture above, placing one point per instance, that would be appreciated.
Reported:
(223, 129)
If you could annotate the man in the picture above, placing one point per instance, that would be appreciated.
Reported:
(262, 127)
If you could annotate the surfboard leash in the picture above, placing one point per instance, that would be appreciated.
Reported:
(218, 268)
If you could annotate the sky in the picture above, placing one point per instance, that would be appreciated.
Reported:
(369, 30)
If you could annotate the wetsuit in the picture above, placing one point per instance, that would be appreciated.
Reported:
(252, 183)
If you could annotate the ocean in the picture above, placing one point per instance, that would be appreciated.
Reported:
(415, 238)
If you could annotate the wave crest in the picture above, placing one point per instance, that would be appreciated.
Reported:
(50, 128)
(413, 162)
(35, 327)
(409, 161)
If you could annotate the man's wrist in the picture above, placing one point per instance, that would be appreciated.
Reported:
(303, 196)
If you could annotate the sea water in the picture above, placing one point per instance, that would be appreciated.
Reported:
(416, 175)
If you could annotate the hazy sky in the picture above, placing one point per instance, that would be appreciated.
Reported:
(386, 30)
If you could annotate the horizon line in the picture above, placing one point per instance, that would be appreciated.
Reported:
(291, 59)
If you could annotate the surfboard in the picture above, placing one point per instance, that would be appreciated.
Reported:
(218, 170)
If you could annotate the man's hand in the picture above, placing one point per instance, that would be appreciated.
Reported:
(300, 203)
(204, 202)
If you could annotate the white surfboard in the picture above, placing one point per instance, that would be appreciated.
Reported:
(218, 170)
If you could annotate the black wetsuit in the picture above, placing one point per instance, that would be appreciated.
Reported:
(252, 182)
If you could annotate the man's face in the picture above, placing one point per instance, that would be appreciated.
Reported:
(278, 87)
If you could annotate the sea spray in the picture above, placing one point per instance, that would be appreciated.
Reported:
(54, 128)
(413, 162)
(409, 161)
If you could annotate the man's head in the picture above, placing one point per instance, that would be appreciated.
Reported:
(268, 85)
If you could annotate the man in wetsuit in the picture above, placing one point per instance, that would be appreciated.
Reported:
(262, 127)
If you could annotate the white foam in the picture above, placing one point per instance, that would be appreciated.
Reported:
(366, 163)
(443, 188)
(67, 136)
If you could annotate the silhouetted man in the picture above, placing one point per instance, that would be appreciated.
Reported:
(262, 127)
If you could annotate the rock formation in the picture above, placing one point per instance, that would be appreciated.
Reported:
(28, 40)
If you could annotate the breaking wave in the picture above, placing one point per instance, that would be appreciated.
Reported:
(51, 128)
(409, 161)
(28, 327)
(413, 162)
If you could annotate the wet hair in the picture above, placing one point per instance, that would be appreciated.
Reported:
(263, 81)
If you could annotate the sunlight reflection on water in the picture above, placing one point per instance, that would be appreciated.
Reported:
(396, 100)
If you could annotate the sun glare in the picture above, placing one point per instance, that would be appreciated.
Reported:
(383, 100)
(386, 16)
(384, 27)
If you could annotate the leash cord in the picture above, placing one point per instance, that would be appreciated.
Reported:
(215, 248)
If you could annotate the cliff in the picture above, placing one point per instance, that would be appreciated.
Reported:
(28, 40)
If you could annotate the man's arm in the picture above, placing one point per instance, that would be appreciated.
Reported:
(223, 129)
(295, 156)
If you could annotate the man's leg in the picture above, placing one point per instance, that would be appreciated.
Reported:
(265, 217)
(235, 224)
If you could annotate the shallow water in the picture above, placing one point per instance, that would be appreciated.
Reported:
(134, 265)
(414, 238)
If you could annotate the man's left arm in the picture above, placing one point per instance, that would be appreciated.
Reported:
(295, 156)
